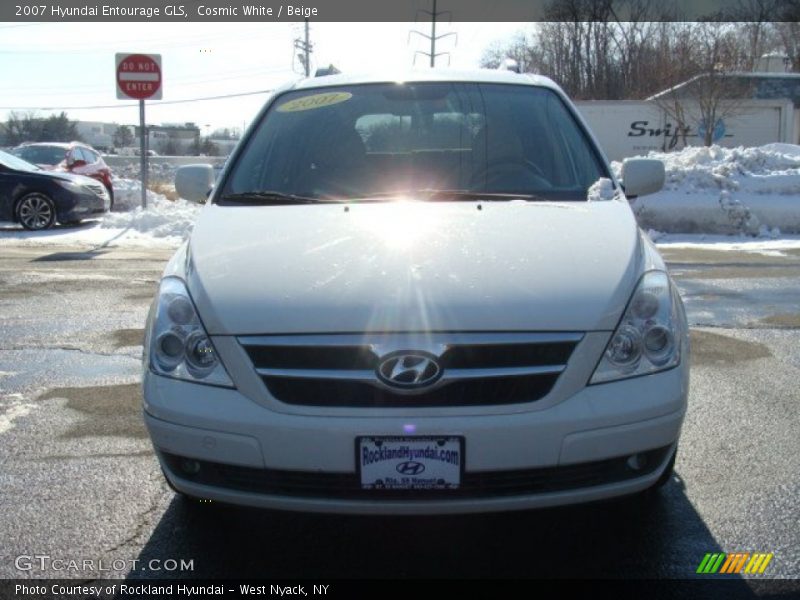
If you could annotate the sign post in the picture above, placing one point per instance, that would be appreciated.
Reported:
(139, 78)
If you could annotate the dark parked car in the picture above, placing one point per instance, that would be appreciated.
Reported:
(36, 198)
(72, 157)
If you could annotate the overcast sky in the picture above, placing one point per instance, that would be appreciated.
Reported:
(64, 65)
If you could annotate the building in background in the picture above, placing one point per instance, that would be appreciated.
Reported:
(754, 108)
(97, 134)
(172, 139)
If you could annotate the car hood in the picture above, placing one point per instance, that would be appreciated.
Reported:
(413, 266)
(63, 175)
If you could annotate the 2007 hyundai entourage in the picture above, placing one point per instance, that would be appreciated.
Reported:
(416, 294)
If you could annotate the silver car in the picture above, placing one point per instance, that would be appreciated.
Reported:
(423, 293)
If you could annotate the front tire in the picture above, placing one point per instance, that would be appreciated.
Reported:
(36, 211)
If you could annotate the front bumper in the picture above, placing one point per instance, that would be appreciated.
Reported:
(598, 423)
(74, 207)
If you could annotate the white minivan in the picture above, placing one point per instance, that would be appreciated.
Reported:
(423, 293)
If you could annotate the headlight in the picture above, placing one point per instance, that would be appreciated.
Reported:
(70, 186)
(648, 336)
(178, 345)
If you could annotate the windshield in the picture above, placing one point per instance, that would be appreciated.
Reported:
(42, 155)
(380, 140)
(13, 162)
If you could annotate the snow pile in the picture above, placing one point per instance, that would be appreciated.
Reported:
(602, 189)
(162, 218)
(157, 172)
(725, 190)
(128, 194)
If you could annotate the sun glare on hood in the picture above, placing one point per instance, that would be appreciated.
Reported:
(400, 224)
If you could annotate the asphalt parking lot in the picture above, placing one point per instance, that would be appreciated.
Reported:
(79, 480)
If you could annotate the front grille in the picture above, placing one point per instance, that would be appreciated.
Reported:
(470, 392)
(477, 369)
(312, 484)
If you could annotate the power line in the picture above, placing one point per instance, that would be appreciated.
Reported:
(66, 90)
(159, 103)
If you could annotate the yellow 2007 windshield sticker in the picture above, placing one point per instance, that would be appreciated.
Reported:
(314, 101)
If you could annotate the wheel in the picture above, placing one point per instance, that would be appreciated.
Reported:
(36, 211)
(111, 198)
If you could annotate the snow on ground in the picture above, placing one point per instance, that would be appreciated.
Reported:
(750, 193)
(753, 191)
(162, 223)
(766, 245)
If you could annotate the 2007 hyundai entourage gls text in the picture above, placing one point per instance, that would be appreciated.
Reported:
(422, 293)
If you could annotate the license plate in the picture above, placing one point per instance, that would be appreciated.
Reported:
(410, 463)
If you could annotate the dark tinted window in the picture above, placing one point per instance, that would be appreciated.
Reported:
(14, 162)
(357, 141)
(78, 154)
(42, 155)
(89, 156)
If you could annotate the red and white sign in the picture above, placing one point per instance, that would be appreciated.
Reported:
(139, 76)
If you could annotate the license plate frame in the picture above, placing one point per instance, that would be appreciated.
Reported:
(400, 472)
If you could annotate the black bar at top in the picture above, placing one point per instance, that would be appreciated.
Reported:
(370, 10)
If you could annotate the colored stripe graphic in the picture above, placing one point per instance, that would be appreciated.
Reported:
(711, 563)
(758, 563)
(703, 563)
(734, 563)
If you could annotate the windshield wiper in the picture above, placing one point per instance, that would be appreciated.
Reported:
(450, 195)
(476, 195)
(269, 197)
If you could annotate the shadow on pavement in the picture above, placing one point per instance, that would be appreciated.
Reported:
(629, 538)
(63, 256)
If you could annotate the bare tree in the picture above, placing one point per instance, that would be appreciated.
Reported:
(757, 34)
(521, 48)
(789, 34)
(717, 91)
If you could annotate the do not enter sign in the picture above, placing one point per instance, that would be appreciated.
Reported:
(139, 76)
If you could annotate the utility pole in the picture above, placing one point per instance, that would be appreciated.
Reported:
(433, 34)
(433, 38)
(305, 49)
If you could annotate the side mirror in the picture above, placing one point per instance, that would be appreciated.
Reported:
(193, 182)
(642, 176)
(77, 163)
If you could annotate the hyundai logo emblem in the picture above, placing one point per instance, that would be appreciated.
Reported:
(409, 370)
(410, 467)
